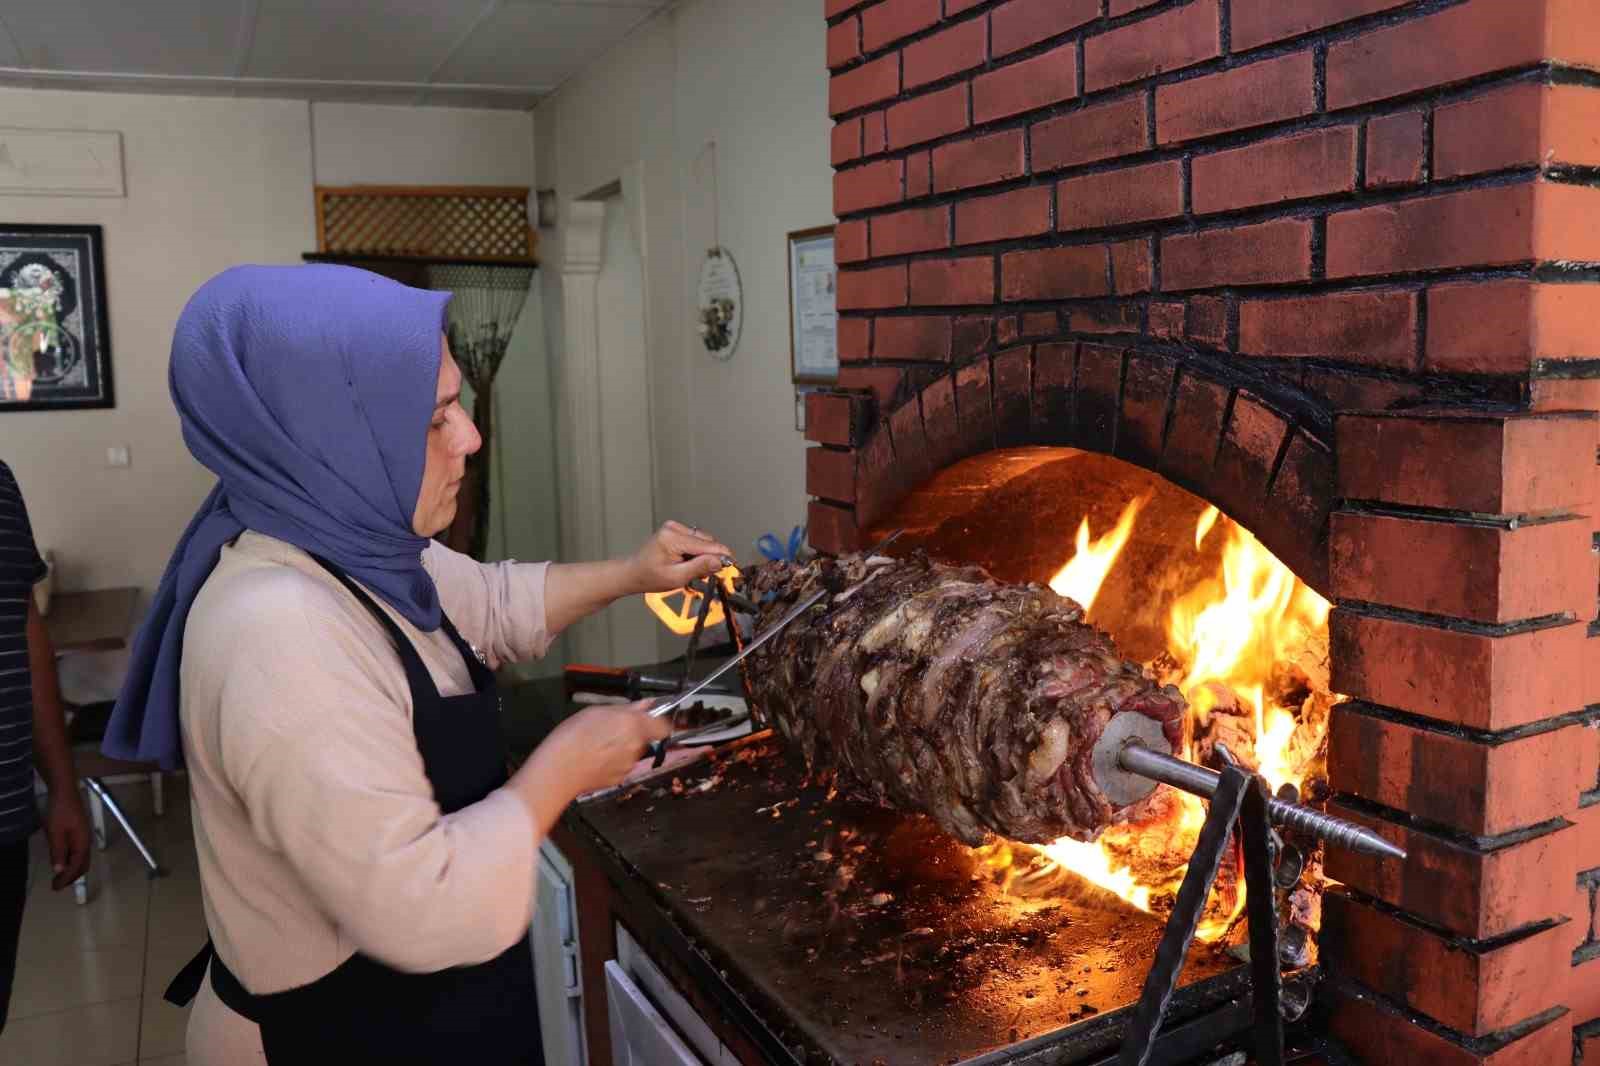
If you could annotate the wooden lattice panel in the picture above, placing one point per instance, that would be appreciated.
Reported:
(465, 222)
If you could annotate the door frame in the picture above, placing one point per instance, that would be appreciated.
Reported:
(588, 529)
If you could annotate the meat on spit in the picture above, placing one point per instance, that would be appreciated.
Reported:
(935, 688)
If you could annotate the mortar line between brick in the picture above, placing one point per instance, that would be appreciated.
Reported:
(1223, 425)
(1571, 174)
(1474, 945)
(1318, 40)
(1319, 77)
(1479, 1047)
(994, 414)
(1072, 410)
(1504, 522)
(1171, 414)
(1421, 360)
(1483, 845)
(1304, 207)
(1456, 625)
(1357, 27)
(1566, 369)
(1427, 145)
(1363, 135)
(1581, 719)
(1290, 429)
(1122, 391)
(1561, 74)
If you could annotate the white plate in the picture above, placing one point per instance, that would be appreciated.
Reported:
(730, 705)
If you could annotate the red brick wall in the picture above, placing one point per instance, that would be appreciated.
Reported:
(1335, 266)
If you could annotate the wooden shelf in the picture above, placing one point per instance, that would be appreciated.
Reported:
(356, 258)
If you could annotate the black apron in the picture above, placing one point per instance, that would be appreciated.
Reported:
(365, 1011)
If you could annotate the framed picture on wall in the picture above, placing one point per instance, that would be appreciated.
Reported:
(55, 341)
(813, 321)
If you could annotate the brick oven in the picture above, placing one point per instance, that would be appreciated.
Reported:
(1330, 265)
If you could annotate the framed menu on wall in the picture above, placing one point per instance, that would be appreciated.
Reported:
(813, 321)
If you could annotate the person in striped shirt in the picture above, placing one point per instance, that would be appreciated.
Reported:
(33, 735)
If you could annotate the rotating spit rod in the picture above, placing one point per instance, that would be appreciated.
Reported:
(1127, 767)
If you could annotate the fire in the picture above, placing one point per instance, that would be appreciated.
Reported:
(1203, 527)
(1095, 865)
(1086, 571)
(680, 617)
(1230, 636)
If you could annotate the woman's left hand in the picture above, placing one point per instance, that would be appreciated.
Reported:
(675, 556)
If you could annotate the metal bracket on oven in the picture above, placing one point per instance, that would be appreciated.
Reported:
(1240, 800)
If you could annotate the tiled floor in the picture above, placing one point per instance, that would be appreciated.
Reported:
(90, 978)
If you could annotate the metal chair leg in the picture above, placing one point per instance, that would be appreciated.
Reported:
(158, 794)
(127, 826)
(97, 818)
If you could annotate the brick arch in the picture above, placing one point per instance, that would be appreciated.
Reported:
(1257, 449)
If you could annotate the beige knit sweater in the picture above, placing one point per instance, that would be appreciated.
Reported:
(316, 828)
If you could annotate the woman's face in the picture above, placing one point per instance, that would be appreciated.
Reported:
(451, 438)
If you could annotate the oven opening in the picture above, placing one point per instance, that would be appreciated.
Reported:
(1192, 595)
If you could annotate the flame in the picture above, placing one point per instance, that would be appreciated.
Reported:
(1086, 571)
(1229, 634)
(1096, 866)
(1202, 527)
(1233, 631)
(680, 617)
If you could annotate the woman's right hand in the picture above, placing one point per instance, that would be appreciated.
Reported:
(603, 742)
(593, 749)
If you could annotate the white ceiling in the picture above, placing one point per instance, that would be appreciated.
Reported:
(455, 53)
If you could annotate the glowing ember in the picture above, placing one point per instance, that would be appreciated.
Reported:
(680, 616)
(1086, 571)
(1232, 639)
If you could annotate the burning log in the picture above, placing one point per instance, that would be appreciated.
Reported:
(937, 689)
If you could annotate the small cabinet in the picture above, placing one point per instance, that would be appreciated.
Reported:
(640, 1036)
(670, 1010)
(555, 959)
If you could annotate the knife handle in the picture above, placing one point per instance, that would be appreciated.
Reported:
(600, 678)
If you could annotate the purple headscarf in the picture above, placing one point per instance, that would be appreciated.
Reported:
(308, 391)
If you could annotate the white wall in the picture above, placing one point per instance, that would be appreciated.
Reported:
(358, 144)
(625, 413)
(751, 75)
(212, 182)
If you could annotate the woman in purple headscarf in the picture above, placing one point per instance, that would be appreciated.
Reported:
(323, 670)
